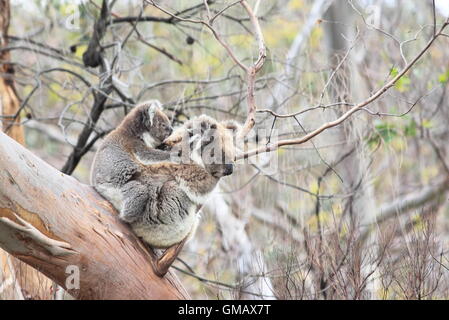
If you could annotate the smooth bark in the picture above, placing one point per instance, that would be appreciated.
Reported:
(56, 224)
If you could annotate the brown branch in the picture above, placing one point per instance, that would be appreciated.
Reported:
(37, 227)
(92, 56)
(160, 50)
(251, 74)
(250, 71)
(9, 101)
(347, 114)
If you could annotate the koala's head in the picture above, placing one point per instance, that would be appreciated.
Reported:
(208, 143)
(152, 120)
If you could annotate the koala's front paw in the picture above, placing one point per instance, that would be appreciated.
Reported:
(172, 140)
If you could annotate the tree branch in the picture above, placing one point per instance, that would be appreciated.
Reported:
(250, 71)
(51, 221)
(351, 111)
(408, 202)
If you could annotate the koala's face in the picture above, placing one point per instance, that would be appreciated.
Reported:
(158, 125)
(217, 150)
(206, 142)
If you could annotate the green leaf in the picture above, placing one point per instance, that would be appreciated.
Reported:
(426, 123)
(410, 129)
(444, 77)
(402, 84)
(383, 131)
(386, 131)
(394, 72)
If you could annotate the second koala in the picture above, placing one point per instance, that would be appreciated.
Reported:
(162, 203)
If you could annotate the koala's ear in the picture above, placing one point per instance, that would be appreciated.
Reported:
(232, 125)
(153, 108)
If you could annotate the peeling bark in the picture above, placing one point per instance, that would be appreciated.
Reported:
(51, 221)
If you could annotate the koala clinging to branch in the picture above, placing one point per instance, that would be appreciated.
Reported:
(158, 197)
(132, 143)
(162, 204)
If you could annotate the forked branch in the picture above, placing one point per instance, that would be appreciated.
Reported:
(251, 70)
(355, 108)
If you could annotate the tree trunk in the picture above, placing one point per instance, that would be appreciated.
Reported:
(9, 103)
(238, 247)
(17, 279)
(64, 229)
(355, 169)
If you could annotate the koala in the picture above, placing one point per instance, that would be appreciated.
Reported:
(162, 202)
(158, 192)
(217, 142)
(133, 143)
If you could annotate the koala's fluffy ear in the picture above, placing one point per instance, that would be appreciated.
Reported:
(155, 105)
(232, 125)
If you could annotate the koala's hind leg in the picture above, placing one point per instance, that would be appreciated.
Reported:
(164, 262)
(135, 199)
(169, 256)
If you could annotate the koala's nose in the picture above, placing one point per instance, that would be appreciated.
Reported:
(229, 168)
(169, 131)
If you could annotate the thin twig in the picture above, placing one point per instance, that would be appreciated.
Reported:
(347, 114)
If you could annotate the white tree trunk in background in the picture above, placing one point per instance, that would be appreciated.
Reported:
(280, 91)
(238, 246)
(339, 31)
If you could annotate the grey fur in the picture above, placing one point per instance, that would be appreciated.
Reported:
(118, 160)
(160, 199)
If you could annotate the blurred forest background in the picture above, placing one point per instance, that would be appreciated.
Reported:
(360, 211)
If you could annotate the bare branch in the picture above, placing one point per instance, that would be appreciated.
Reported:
(250, 71)
(347, 114)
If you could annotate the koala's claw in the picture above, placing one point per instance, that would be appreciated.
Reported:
(163, 263)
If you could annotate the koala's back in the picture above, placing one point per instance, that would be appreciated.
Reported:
(113, 163)
(112, 167)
